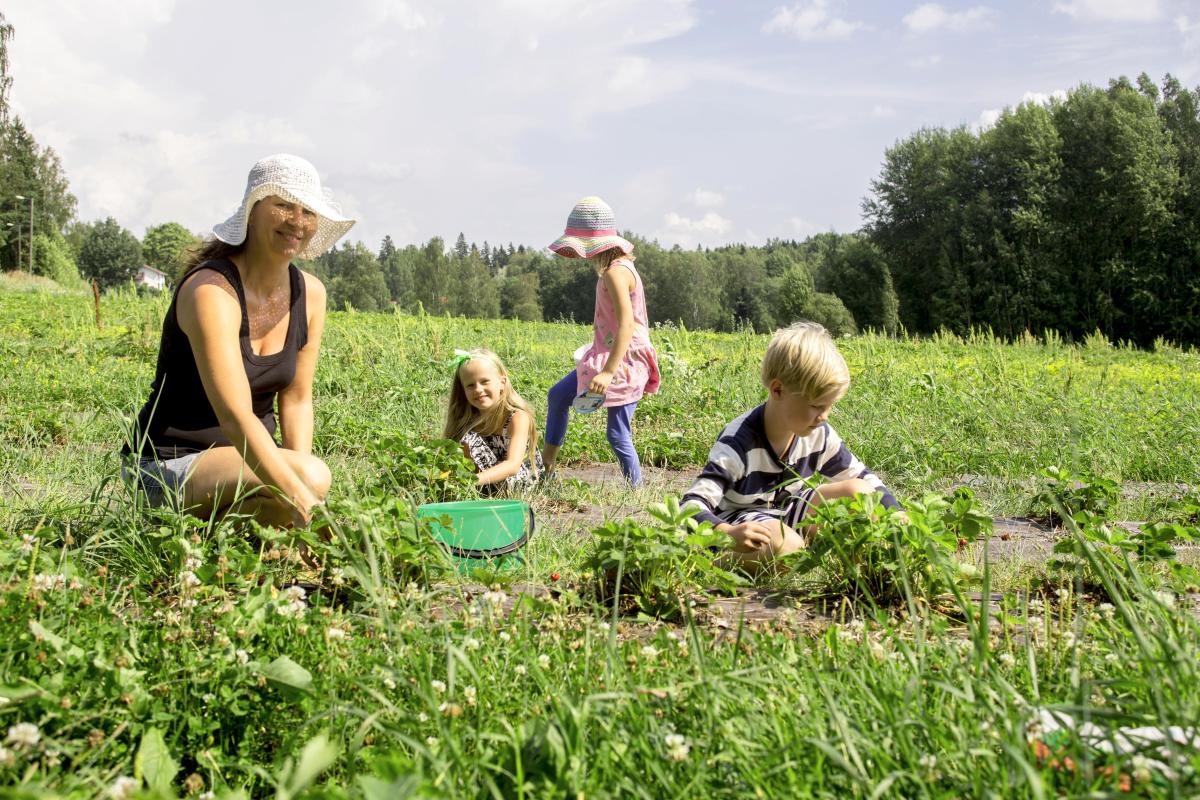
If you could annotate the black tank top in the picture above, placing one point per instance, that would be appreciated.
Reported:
(178, 419)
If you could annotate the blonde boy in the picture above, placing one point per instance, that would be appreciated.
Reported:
(750, 489)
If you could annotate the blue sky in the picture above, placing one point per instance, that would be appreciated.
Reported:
(700, 122)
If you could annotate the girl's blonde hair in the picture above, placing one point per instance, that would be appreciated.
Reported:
(603, 260)
(462, 417)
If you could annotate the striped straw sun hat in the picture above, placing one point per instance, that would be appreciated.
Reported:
(590, 230)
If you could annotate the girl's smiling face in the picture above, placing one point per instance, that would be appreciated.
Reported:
(482, 383)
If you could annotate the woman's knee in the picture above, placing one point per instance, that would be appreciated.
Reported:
(315, 473)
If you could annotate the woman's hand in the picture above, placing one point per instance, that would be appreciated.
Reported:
(600, 382)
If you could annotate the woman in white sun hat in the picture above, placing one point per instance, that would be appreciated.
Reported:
(242, 335)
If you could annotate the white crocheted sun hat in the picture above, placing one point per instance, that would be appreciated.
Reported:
(296, 181)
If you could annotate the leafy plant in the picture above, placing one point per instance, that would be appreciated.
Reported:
(428, 470)
(654, 568)
(1063, 491)
(870, 552)
(1096, 546)
(377, 543)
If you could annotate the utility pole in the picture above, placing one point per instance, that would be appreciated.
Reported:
(20, 231)
(30, 199)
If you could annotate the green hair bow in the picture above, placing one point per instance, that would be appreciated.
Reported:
(460, 357)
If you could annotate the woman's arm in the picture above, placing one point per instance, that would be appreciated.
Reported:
(619, 283)
(295, 402)
(518, 443)
(211, 319)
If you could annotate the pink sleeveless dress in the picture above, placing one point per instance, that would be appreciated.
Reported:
(638, 371)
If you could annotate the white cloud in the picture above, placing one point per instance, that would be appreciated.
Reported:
(802, 228)
(810, 22)
(711, 229)
(932, 16)
(703, 198)
(988, 118)
(1043, 99)
(922, 62)
(1112, 10)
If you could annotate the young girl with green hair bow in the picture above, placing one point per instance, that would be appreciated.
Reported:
(492, 422)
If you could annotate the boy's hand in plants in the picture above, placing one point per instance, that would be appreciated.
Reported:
(747, 536)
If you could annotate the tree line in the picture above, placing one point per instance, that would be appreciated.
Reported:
(1077, 215)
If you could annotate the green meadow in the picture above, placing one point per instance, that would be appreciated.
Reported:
(153, 653)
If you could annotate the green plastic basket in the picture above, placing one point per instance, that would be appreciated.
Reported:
(481, 533)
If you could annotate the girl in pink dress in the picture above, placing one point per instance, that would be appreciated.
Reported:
(620, 363)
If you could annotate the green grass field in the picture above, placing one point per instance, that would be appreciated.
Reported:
(146, 651)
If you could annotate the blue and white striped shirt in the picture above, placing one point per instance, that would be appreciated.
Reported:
(743, 471)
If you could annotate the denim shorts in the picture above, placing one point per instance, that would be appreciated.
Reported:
(161, 481)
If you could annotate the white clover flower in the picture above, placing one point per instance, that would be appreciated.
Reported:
(673, 636)
(1007, 659)
(188, 580)
(422, 717)
(209, 795)
(27, 543)
(494, 599)
(967, 570)
(1112, 658)
(337, 576)
(469, 695)
(928, 761)
(292, 610)
(856, 626)
(192, 563)
(677, 746)
(189, 602)
(520, 669)
(1141, 768)
(333, 633)
(7, 757)
(604, 626)
(389, 683)
(650, 651)
(123, 788)
(46, 583)
(1069, 639)
(543, 661)
(470, 643)
(243, 658)
(1165, 598)
(505, 636)
(1106, 610)
(431, 741)
(438, 686)
(24, 734)
(294, 594)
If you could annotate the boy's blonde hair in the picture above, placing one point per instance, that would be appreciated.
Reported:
(804, 359)
(462, 417)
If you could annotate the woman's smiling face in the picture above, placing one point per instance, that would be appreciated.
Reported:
(281, 226)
